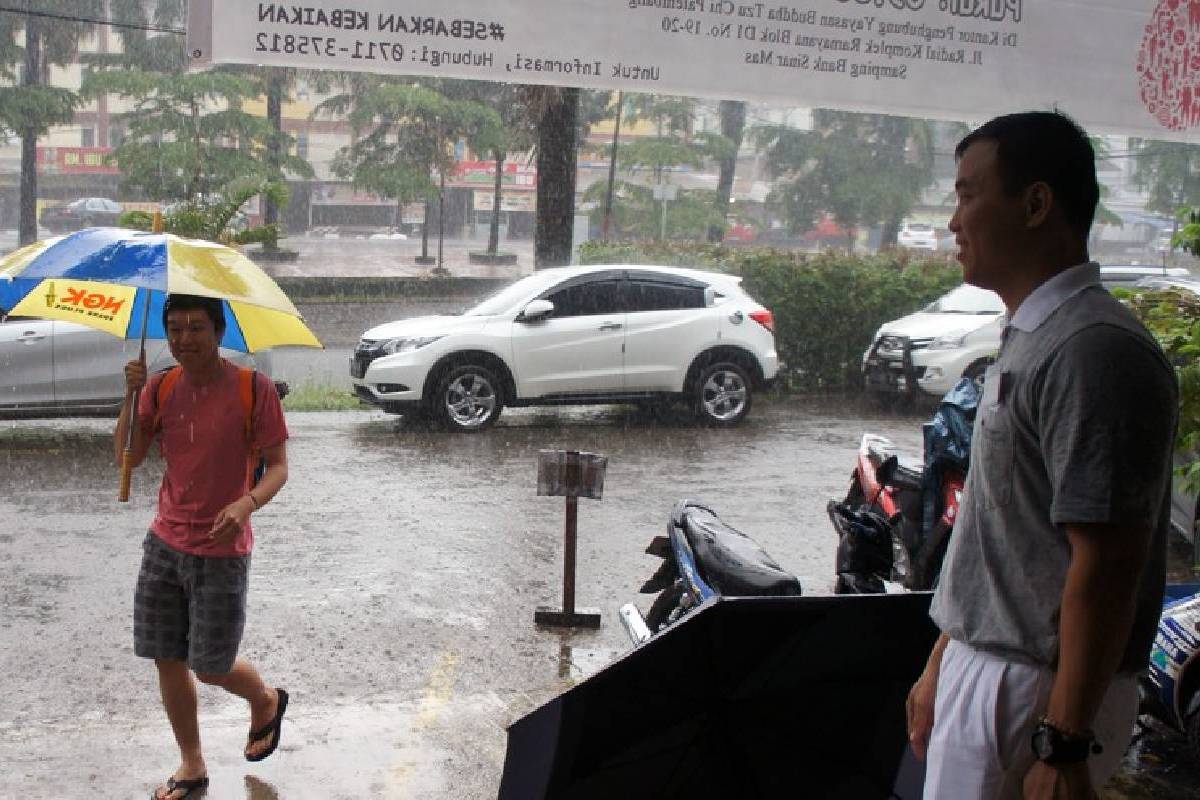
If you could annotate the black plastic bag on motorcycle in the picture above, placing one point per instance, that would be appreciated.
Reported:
(865, 549)
(907, 549)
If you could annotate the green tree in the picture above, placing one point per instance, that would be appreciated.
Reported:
(673, 145)
(405, 131)
(556, 112)
(215, 218)
(1170, 174)
(863, 169)
(515, 132)
(562, 118)
(733, 126)
(637, 216)
(31, 108)
(189, 136)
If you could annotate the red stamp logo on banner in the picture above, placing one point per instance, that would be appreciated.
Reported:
(1168, 64)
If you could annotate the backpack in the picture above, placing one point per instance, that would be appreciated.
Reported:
(256, 465)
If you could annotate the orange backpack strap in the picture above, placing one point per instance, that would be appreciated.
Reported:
(247, 390)
(165, 387)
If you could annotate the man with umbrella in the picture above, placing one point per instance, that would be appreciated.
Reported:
(189, 607)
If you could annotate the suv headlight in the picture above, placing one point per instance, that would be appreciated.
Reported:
(405, 344)
(949, 341)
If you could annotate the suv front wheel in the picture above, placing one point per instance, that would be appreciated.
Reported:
(468, 398)
(721, 394)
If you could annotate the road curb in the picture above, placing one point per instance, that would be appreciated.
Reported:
(330, 288)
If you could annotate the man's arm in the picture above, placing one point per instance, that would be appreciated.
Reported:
(135, 378)
(1098, 606)
(233, 517)
(274, 477)
(919, 708)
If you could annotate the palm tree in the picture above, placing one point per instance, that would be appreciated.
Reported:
(403, 136)
(32, 108)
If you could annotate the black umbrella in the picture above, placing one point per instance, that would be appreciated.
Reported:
(750, 697)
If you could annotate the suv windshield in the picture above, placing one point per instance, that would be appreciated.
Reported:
(967, 299)
(504, 299)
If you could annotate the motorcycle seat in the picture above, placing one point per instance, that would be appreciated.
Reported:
(908, 473)
(729, 560)
(903, 473)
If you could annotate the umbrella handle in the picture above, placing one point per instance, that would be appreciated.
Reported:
(127, 455)
(126, 476)
(132, 400)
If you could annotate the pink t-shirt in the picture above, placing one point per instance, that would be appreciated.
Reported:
(203, 440)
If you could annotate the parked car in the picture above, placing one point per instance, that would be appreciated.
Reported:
(780, 238)
(85, 212)
(53, 368)
(957, 336)
(598, 334)
(740, 233)
(917, 235)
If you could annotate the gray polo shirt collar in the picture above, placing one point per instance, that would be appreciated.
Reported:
(1045, 299)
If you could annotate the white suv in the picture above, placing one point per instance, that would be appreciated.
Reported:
(917, 235)
(576, 335)
(957, 336)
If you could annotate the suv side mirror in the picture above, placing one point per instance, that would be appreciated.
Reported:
(536, 310)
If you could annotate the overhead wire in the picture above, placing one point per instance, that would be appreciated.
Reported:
(92, 21)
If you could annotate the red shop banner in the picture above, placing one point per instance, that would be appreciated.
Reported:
(75, 161)
(474, 174)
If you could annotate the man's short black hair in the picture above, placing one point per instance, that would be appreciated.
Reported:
(189, 302)
(1044, 146)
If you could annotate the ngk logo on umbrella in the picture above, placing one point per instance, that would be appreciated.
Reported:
(103, 305)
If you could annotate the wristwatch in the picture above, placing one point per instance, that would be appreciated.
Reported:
(1055, 747)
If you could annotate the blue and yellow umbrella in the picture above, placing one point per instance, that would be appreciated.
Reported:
(106, 278)
(117, 280)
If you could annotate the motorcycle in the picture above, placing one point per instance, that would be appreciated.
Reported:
(895, 522)
(703, 558)
(1170, 691)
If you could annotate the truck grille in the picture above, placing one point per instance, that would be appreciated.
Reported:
(366, 352)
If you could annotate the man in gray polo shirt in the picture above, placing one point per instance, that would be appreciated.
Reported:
(1052, 585)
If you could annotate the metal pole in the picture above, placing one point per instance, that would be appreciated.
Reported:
(441, 217)
(572, 479)
(569, 558)
(612, 170)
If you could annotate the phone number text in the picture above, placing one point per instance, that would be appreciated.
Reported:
(328, 47)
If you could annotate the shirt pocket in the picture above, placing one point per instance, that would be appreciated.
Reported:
(993, 452)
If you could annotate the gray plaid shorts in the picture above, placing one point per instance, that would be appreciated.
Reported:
(189, 608)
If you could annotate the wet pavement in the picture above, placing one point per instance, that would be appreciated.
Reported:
(394, 585)
(393, 591)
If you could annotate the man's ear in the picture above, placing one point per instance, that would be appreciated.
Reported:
(1039, 199)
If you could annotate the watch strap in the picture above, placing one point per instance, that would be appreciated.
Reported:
(1055, 747)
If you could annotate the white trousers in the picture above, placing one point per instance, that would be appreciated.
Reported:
(984, 717)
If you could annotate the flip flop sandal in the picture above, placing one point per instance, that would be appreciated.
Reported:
(187, 787)
(275, 726)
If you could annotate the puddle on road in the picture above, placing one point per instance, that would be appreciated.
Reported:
(576, 663)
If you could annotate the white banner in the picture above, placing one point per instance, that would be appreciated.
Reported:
(521, 201)
(1117, 66)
